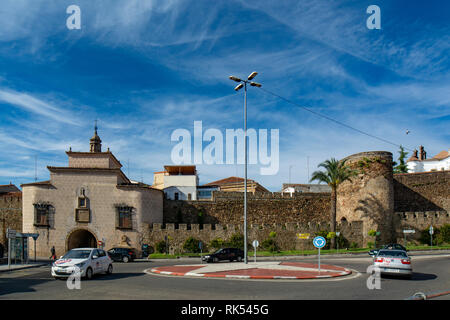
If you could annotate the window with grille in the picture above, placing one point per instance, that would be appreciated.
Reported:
(41, 214)
(124, 218)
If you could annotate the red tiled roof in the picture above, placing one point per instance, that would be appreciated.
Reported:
(227, 181)
(442, 155)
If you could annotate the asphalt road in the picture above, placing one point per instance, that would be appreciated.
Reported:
(128, 281)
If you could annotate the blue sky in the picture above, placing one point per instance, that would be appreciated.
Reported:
(145, 68)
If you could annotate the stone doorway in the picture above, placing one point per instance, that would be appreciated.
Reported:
(81, 238)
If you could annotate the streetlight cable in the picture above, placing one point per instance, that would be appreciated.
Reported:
(333, 120)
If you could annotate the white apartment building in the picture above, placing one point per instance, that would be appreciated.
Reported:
(177, 182)
(420, 163)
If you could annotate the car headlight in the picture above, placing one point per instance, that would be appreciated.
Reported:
(80, 265)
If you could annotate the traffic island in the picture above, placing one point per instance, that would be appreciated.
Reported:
(254, 270)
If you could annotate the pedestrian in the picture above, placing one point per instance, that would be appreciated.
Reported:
(53, 256)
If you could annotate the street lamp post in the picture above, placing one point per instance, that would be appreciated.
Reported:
(243, 84)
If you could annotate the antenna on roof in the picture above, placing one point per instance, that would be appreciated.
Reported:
(35, 168)
(95, 128)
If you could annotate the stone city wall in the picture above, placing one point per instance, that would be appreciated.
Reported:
(262, 208)
(286, 234)
(418, 221)
(369, 195)
(10, 215)
(424, 191)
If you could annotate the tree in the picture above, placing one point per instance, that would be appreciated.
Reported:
(402, 167)
(336, 172)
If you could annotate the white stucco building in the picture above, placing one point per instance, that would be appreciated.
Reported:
(420, 163)
(178, 182)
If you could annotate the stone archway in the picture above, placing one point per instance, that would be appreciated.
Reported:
(81, 238)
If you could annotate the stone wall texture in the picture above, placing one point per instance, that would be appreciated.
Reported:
(10, 214)
(418, 221)
(286, 233)
(424, 191)
(369, 195)
(262, 208)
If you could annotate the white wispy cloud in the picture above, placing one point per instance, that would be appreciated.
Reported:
(38, 106)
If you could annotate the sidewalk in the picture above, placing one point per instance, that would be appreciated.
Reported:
(20, 266)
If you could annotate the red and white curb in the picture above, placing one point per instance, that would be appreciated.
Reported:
(233, 276)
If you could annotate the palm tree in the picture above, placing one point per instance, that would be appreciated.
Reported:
(335, 173)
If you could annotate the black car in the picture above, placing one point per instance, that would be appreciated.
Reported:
(230, 254)
(394, 246)
(122, 254)
(390, 246)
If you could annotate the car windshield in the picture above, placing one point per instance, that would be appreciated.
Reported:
(394, 246)
(219, 251)
(77, 254)
(392, 253)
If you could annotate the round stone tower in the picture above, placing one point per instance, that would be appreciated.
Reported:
(369, 196)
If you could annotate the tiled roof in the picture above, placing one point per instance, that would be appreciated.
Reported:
(8, 188)
(227, 181)
(442, 155)
(40, 183)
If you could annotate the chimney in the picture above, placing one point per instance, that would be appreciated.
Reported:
(423, 154)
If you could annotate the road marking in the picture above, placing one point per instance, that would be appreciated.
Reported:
(355, 274)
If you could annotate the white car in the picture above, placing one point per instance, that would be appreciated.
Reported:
(90, 261)
(393, 262)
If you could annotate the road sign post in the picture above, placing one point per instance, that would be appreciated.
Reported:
(11, 234)
(405, 232)
(319, 242)
(255, 245)
(431, 231)
(337, 240)
(200, 245)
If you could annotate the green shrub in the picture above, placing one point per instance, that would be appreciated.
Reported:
(342, 242)
(191, 245)
(270, 245)
(370, 244)
(216, 243)
(161, 246)
(236, 241)
(331, 235)
(353, 245)
(425, 236)
(372, 233)
(444, 234)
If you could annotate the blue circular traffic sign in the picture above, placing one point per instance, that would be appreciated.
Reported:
(319, 242)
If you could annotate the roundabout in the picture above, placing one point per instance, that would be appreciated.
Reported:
(258, 270)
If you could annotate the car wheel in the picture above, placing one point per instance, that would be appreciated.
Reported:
(239, 259)
(110, 269)
(89, 273)
(216, 259)
(125, 259)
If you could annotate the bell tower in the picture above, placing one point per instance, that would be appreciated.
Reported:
(96, 142)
